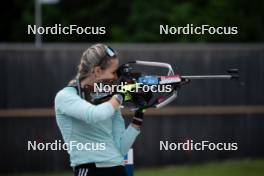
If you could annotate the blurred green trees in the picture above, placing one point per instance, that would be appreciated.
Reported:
(136, 21)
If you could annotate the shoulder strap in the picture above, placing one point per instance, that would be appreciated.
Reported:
(84, 93)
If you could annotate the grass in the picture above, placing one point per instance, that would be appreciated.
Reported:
(227, 168)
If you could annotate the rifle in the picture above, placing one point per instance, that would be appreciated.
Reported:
(152, 99)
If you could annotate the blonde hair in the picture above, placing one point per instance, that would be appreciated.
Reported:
(96, 55)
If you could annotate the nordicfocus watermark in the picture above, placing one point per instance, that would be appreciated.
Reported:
(191, 29)
(58, 29)
(138, 87)
(59, 145)
(190, 145)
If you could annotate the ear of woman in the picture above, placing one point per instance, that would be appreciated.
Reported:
(97, 72)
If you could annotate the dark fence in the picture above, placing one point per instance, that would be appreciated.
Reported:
(31, 77)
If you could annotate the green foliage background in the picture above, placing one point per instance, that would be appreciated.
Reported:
(137, 20)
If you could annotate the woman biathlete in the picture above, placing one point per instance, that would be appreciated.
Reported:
(96, 135)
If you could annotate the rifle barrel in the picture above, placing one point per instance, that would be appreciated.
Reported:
(208, 76)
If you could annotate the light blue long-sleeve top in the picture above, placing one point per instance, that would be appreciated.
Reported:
(100, 126)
